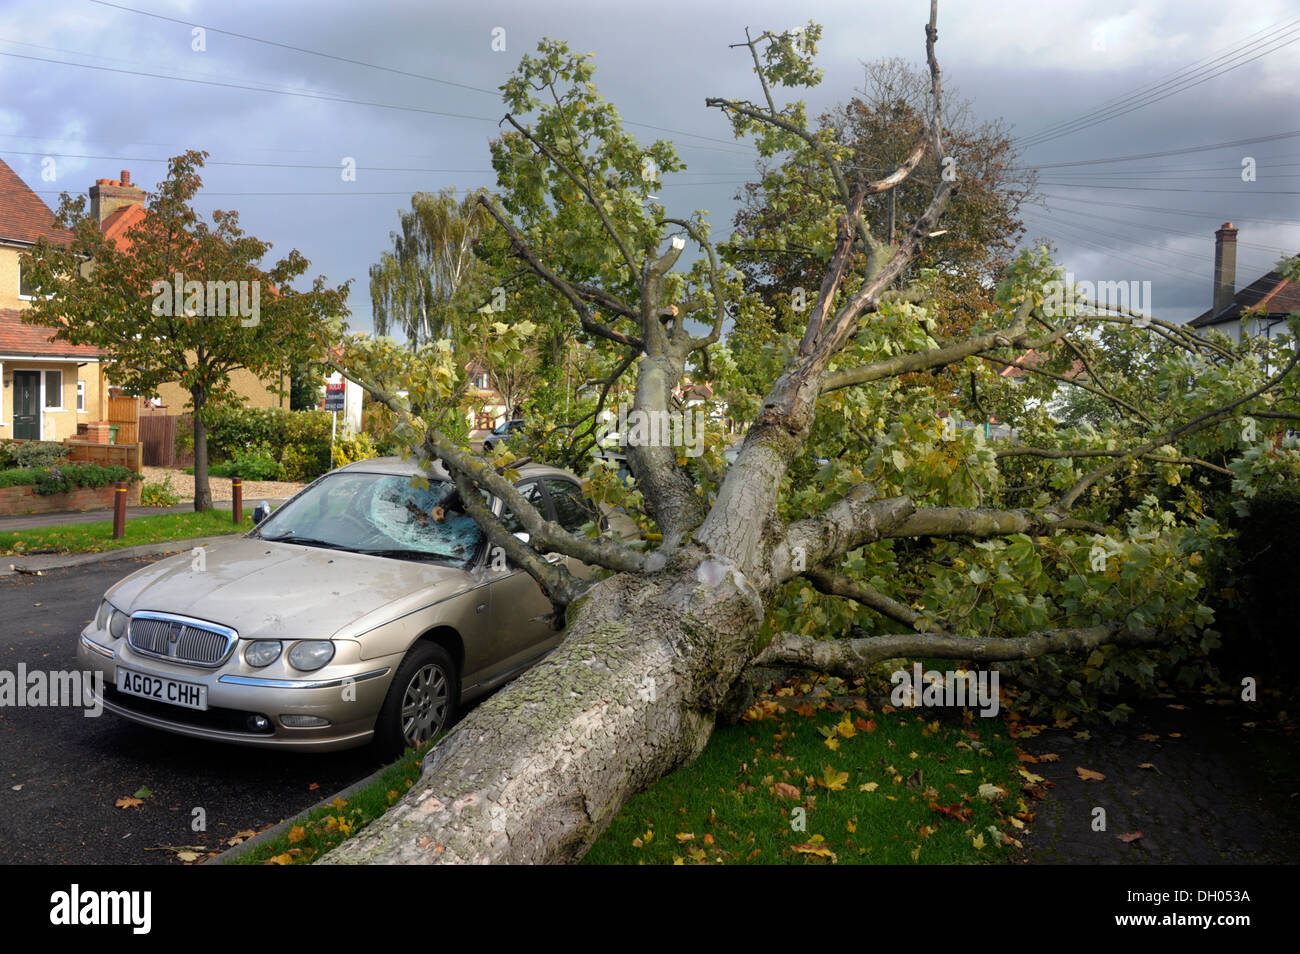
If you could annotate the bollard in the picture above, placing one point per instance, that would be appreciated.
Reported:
(119, 510)
(237, 501)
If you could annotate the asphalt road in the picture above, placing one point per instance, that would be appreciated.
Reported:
(61, 772)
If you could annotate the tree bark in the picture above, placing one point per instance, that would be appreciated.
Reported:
(202, 487)
(539, 770)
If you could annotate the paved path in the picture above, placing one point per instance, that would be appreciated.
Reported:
(1217, 790)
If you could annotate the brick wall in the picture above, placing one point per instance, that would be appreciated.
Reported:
(18, 500)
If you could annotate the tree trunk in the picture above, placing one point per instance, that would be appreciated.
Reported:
(539, 770)
(202, 488)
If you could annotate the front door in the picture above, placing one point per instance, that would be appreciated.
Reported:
(27, 405)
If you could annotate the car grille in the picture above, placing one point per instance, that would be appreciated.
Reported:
(180, 640)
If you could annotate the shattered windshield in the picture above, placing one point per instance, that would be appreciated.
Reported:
(380, 514)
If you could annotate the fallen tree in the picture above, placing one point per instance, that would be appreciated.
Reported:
(658, 642)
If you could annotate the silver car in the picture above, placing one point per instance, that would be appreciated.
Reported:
(364, 610)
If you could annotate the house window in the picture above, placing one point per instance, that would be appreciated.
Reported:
(81, 397)
(54, 390)
(25, 289)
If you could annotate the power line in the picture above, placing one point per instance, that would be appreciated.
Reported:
(1160, 228)
(1207, 147)
(377, 66)
(1148, 99)
(1162, 210)
(1156, 84)
(1096, 185)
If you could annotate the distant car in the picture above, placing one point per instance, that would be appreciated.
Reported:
(502, 432)
(358, 612)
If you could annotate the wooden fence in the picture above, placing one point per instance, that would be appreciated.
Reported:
(88, 452)
(158, 438)
(124, 414)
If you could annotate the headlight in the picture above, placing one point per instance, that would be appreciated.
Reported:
(102, 614)
(117, 624)
(311, 654)
(262, 652)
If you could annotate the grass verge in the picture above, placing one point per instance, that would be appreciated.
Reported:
(330, 825)
(97, 537)
(816, 775)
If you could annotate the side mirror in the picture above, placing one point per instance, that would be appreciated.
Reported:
(261, 512)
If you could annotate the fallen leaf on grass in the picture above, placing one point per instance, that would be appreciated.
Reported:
(869, 787)
(990, 792)
(833, 780)
(952, 811)
(296, 834)
(784, 790)
(285, 859)
(1030, 777)
(1089, 774)
(816, 847)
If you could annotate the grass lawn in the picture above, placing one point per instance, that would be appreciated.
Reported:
(332, 824)
(815, 775)
(94, 537)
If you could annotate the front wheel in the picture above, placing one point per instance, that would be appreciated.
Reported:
(421, 700)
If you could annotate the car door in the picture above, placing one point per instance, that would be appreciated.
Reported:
(572, 511)
(520, 617)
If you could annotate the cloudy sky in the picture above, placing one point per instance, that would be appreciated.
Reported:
(1077, 81)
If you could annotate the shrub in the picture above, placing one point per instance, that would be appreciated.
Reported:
(6, 454)
(159, 493)
(304, 462)
(301, 439)
(37, 453)
(354, 447)
(257, 463)
(58, 480)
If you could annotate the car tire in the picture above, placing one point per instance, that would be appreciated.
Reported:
(421, 700)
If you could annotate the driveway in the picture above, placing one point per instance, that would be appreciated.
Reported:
(61, 773)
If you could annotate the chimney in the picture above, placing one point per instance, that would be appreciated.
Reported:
(1225, 266)
(109, 195)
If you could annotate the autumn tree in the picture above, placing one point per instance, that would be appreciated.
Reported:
(917, 539)
(181, 301)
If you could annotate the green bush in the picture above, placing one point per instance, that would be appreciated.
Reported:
(257, 463)
(159, 493)
(37, 453)
(301, 439)
(353, 447)
(66, 477)
(6, 455)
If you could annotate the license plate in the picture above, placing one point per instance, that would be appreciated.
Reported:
(160, 688)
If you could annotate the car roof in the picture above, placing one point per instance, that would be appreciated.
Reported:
(411, 466)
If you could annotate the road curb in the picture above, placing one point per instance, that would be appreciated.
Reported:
(278, 829)
(39, 563)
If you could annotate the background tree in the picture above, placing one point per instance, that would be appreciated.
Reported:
(413, 286)
(922, 541)
(99, 294)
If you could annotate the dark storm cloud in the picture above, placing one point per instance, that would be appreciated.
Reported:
(1032, 64)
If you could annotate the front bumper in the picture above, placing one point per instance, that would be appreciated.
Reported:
(348, 693)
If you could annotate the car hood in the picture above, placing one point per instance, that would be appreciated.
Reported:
(270, 590)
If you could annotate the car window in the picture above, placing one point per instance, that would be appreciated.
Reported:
(571, 509)
(532, 492)
(384, 514)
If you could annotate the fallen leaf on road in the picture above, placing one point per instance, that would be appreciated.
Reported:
(1087, 774)
(1149, 737)
(1130, 837)
(143, 793)
(129, 802)
(1146, 765)
(1049, 757)
(313, 786)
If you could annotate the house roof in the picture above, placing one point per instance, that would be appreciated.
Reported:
(24, 218)
(120, 222)
(1031, 359)
(1270, 296)
(19, 338)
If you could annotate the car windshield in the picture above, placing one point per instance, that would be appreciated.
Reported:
(379, 514)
